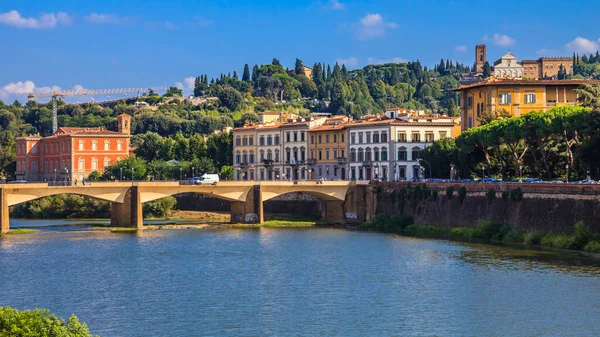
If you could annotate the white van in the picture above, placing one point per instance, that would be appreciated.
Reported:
(208, 179)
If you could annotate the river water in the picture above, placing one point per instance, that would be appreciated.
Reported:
(297, 282)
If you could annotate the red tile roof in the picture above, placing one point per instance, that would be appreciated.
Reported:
(525, 83)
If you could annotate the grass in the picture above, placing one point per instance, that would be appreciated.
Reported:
(22, 231)
(288, 223)
(123, 230)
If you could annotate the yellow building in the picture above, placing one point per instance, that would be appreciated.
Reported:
(515, 97)
(327, 149)
(244, 152)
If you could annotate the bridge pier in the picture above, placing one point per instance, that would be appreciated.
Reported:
(332, 211)
(128, 213)
(4, 216)
(249, 211)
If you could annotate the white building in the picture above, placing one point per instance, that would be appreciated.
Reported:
(410, 136)
(369, 147)
(508, 67)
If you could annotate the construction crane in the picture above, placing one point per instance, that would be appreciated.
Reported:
(58, 94)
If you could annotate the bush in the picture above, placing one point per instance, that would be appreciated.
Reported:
(490, 195)
(492, 230)
(533, 238)
(449, 192)
(466, 232)
(513, 236)
(434, 195)
(159, 208)
(516, 195)
(582, 235)
(39, 322)
(505, 195)
(94, 176)
(561, 241)
(427, 231)
(593, 247)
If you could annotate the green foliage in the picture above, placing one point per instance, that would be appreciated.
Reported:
(39, 322)
(462, 194)
(230, 98)
(439, 156)
(557, 240)
(129, 168)
(449, 192)
(593, 247)
(490, 195)
(581, 235)
(173, 91)
(516, 194)
(388, 222)
(533, 237)
(62, 207)
(94, 176)
(159, 208)
(505, 195)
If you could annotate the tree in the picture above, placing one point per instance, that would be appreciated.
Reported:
(230, 98)
(39, 322)
(590, 95)
(246, 75)
(562, 73)
(255, 73)
(440, 156)
(131, 166)
(276, 62)
(247, 118)
(226, 172)
(173, 91)
(299, 69)
(487, 70)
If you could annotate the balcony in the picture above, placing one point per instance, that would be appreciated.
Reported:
(341, 160)
(367, 163)
(311, 162)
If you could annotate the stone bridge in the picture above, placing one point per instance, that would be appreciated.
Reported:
(342, 201)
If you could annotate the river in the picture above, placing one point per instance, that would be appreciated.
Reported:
(297, 282)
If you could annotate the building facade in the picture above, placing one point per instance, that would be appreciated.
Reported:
(327, 149)
(508, 67)
(546, 67)
(368, 148)
(480, 57)
(515, 97)
(72, 153)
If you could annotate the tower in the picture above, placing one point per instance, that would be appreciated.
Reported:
(124, 124)
(480, 57)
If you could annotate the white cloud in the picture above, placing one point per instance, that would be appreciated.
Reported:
(582, 45)
(502, 40)
(349, 62)
(20, 90)
(372, 26)
(373, 60)
(186, 84)
(45, 21)
(336, 5)
(484, 38)
(460, 49)
(111, 19)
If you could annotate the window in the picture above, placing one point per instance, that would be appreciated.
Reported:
(303, 154)
(287, 155)
(335, 138)
(237, 157)
(402, 154)
(342, 153)
(469, 102)
(80, 145)
(251, 156)
(295, 136)
(429, 137)
(416, 137)
(62, 146)
(335, 153)
(244, 141)
(360, 137)
(443, 134)
(367, 137)
(106, 145)
(302, 136)
(353, 138)
(119, 145)
(312, 154)
(238, 141)
(262, 155)
(34, 148)
(353, 155)
(375, 137)
(287, 137)
(251, 140)
(361, 155)
(94, 164)
(276, 140)
(269, 155)
(269, 140)
(320, 139)
(326, 138)
(244, 157)
(376, 154)
(401, 136)
(384, 154)
(384, 137)
(341, 138)
(529, 98)
(34, 166)
(327, 154)
(94, 145)
(81, 165)
(106, 162)
(416, 153)
(368, 154)
(505, 98)
(312, 139)
(470, 122)
(320, 154)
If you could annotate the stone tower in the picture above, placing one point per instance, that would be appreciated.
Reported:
(480, 57)
(124, 124)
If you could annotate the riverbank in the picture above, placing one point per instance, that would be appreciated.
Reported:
(487, 231)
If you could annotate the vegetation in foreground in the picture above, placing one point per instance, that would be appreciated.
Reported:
(288, 223)
(581, 239)
(21, 231)
(39, 322)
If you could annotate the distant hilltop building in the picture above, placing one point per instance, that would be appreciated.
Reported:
(509, 67)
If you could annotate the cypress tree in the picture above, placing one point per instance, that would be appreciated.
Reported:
(235, 77)
(246, 75)
(254, 73)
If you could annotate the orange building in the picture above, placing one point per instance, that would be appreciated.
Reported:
(327, 149)
(72, 153)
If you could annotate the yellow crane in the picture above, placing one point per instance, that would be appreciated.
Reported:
(57, 94)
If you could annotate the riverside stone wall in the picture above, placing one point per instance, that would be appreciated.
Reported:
(542, 207)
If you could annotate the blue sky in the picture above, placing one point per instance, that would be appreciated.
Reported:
(120, 44)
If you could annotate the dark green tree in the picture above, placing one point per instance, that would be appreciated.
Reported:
(487, 70)
(230, 98)
(255, 73)
(246, 75)
(299, 69)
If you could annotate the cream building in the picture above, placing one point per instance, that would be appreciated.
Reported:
(368, 148)
(508, 67)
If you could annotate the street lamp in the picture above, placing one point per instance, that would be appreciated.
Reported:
(482, 172)
(567, 173)
(121, 175)
(193, 172)
(428, 164)
(180, 172)
(54, 175)
(67, 174)
(520, 171)
(132, 175)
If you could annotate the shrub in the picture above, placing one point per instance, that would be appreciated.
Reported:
(94, 176)
(513, 236)
(505, 195)
(492, 230)
(533, 238)
(582, 235)
(593, 247)
(428, 231)
(39, 322)
(466, 232)
(556, 240)
(388, 222)
(490, 195)
(462, 194)
(516, 195)
(449, 192)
